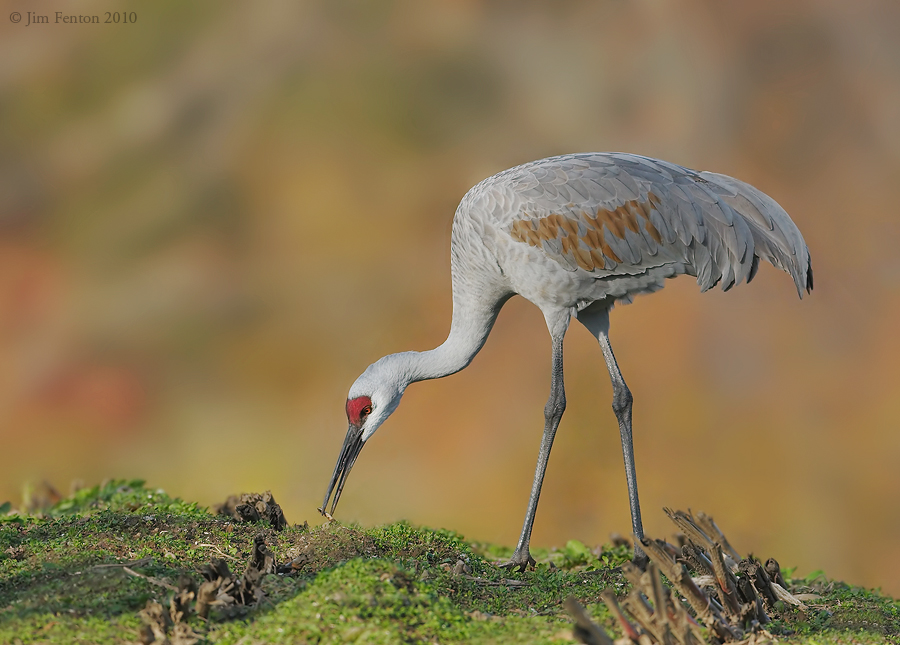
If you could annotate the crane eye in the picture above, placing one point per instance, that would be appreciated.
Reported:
(366, 411)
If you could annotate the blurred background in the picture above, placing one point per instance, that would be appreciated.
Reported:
(213, 219)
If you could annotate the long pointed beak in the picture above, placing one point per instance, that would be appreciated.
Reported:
(353, 443)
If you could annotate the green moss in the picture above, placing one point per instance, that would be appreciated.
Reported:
(61, 581)
(842, 614)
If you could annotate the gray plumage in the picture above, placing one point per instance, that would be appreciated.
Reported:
(574, 235)
(711, 226)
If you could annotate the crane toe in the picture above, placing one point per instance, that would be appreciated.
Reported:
(520, 561)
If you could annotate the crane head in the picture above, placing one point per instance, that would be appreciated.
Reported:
(372, 399)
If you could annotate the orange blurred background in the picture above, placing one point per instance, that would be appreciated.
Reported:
(213, 219)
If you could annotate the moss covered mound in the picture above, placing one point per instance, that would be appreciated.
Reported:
(82, 570)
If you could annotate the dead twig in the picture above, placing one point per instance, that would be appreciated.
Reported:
(728, 594)
(586, 630)
(132, 563)
(786, 596)
(505, 582)
(220, 552)
(612, 603)
(150, 579)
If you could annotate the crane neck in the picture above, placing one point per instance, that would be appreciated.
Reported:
(469, 329)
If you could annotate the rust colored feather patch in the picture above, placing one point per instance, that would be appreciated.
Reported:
(591, 250)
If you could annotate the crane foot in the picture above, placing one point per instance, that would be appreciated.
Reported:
(520, 561)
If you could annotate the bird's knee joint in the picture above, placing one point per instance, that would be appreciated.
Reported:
(554, 409)
(622, 400)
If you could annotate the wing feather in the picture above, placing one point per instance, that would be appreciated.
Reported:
(617, 213)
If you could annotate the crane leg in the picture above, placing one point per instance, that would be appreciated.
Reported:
(553, 412)
(597, 321)
(622, 400)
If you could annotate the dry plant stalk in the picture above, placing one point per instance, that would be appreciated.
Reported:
(221, 588)
(586, 630)
(734, 610)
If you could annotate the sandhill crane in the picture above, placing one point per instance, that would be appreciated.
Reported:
(576, 234)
